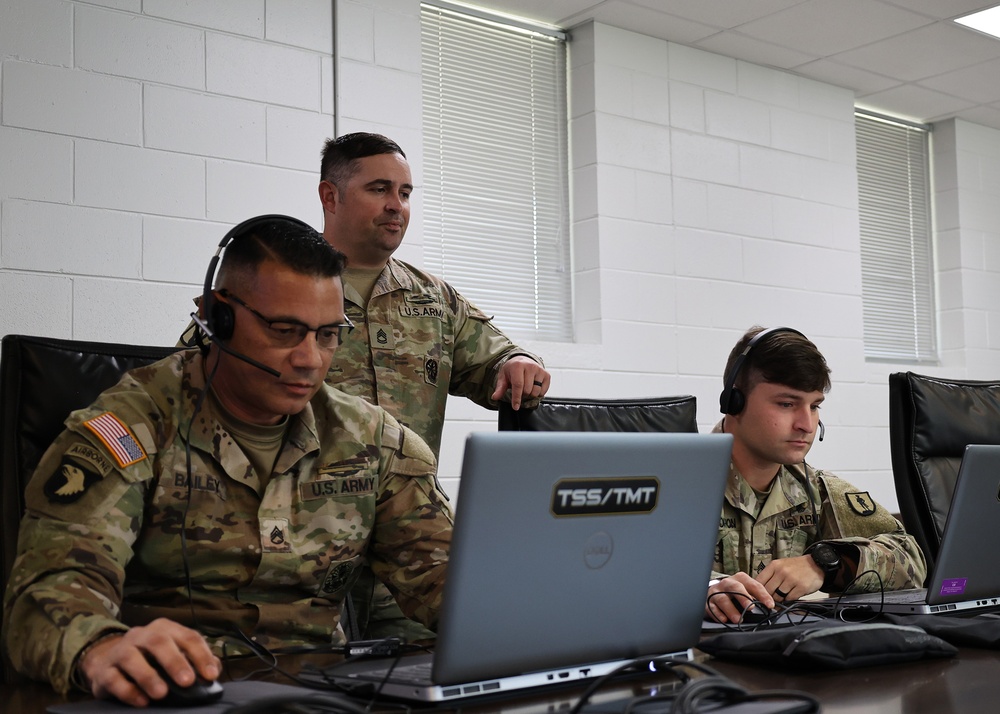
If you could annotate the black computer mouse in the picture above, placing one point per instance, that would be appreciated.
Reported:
(753, 611)
(198, 694)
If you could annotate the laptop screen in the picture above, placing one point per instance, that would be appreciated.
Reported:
(576, 547)
(967, 567)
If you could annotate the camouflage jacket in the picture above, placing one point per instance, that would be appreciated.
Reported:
(100, 547)
(417, 342)
(786, 526)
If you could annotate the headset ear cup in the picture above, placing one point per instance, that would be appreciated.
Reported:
(736, 402)
(223, 319)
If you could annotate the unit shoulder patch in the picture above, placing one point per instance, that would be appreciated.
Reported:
(70, 481)
(861, 503)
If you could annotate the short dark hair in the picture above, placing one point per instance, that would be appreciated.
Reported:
(339, 155)
(286, 241)
(783, 357)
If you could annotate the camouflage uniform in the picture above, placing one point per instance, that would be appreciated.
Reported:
(785, 527)
(417, 340)
(100, 549)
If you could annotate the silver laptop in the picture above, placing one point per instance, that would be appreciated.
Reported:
(573, 553)
(966, 574)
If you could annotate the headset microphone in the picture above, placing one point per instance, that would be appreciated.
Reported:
(822, 430)
(228, 350)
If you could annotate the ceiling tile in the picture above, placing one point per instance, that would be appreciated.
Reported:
(978, 83)
(918, 103)
(924, 52)
(943, 9)
(897, 56)
(733, 44)
(860, 80)
(823, 28)
(627, 16)
(724, 14)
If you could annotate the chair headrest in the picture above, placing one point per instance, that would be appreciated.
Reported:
(950, 414)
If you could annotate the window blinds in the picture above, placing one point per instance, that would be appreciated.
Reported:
(896, 259)
(496, 216)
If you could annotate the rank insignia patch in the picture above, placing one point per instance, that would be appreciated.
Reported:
(274, 535)
(861, 503)
(117, 438)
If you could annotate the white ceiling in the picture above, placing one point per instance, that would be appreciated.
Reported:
(901, 57)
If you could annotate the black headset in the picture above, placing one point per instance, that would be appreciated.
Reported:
(219, 316)
(732, 400)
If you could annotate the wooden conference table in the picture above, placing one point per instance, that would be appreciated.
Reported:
(968, 683)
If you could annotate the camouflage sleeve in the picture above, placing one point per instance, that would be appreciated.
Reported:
(481, 350)
(83, 507)
(889, 557)
(413, 522)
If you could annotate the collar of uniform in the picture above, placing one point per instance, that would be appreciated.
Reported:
(302, 435)
(301, 426)
(785, 494)
(394, 276)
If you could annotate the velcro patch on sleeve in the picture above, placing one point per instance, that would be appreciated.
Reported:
(70, 481)
(118, 439)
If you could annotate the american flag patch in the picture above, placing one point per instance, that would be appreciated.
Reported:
(116, 436)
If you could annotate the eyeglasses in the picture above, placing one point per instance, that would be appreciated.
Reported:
(289, 333)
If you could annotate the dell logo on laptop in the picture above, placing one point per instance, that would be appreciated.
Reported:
(597, 550)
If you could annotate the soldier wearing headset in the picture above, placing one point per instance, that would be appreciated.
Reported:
(223, 497)
(787, 529)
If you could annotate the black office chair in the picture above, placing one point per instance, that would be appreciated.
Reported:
(931, 421)
(42, 380)
(677, 414)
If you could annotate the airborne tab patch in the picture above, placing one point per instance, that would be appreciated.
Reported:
(117, 437)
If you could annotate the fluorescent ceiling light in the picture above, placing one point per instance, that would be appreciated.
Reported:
(987, 21)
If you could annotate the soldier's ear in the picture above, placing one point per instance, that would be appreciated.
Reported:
(329, 196)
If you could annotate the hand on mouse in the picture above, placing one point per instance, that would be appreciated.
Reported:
(721, 602)
(117, 666)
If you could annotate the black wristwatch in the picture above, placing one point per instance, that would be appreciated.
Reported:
(828, 559)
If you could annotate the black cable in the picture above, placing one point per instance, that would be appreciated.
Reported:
(787, 611)
(270, 658)
(599, 682)
(842, 609)
(199, 403)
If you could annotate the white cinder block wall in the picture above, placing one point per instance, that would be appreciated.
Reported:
(134, 134)
(708, 194)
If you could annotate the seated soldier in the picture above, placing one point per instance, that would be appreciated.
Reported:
(787, 529)
(225, 492)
